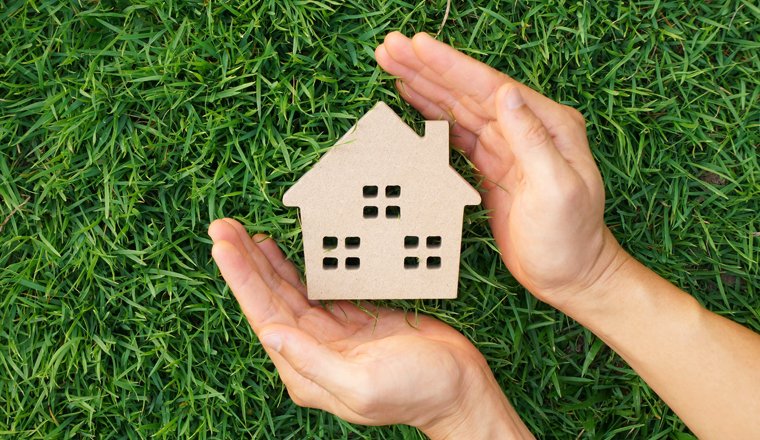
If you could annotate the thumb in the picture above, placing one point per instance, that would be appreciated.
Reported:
(528, 138)
(309, 357)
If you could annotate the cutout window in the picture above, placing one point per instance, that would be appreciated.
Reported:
(370, 212)
(329, 263)
(330, 243)
(411, 242)
(392, 191)
(434, 262)
(411, 263)
(353, 242)
(433, 242)
(393, 212)
(352, 263)
(369, 192)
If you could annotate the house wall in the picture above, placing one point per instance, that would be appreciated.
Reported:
(383, 271)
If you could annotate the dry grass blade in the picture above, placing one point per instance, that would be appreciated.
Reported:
(15, 210)
(445, 17)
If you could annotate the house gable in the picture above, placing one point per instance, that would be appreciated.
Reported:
(381, 140)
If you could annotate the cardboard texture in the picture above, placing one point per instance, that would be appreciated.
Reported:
(382, 211)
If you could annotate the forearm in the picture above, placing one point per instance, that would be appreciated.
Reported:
(705, 367)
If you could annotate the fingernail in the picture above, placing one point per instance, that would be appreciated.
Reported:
(514, 98)
(273, 342)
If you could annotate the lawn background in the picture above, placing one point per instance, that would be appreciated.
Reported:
(127, 127)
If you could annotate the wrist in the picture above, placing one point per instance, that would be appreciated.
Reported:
(623, 294)
(596, 292)
(483, 413)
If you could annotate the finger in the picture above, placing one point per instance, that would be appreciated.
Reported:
(245, 244)
(529, 140)
(302, 391)
(458, 69)
(455, 71)
(478, 132)
(282, 266)
(434, 93)
(307, 393)
(400, 49)
(220, 230)
(311, 359)
(290, 294)
(460, 137)
(492, 162)
(259, 303)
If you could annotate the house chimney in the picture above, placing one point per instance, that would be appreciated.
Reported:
(437, 138)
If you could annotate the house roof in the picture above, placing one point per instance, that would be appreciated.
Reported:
(381, 143)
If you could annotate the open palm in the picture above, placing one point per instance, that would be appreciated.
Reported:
(367, 365)
(542, 183)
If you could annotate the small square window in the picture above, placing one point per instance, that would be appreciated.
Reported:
(330, 243)
(392, 191)
(433, 242)
(353, 242)
(369, 192)
(434, 262)
(329, 263)
(393, 212)
(411, 242)
(370, 212)
(352, 263)
(411, 263)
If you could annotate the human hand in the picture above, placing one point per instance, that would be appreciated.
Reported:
(547, 199)
(543, 185)
(372, 370)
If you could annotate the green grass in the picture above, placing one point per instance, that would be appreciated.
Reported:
(128, 127)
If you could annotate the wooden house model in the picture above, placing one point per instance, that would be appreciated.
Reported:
(381, 213)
